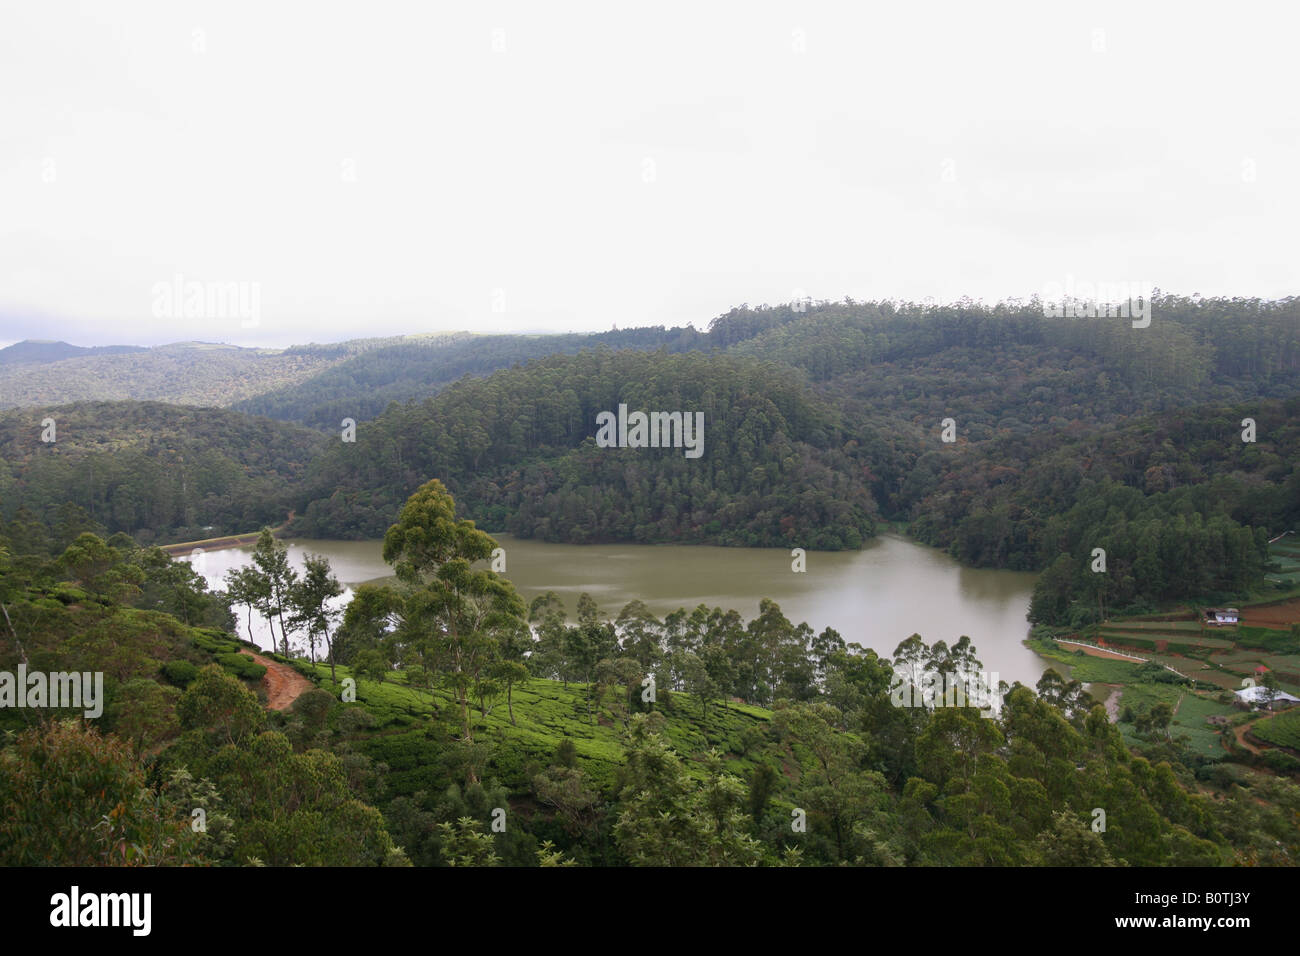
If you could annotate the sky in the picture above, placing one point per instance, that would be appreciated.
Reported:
(277, 173)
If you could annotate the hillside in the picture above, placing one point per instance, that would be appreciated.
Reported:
(148, 469)
(185, 373)
(417, 367)
(461, 752)
(518, 449)
(37, 352)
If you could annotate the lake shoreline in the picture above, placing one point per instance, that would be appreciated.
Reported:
(876, 596)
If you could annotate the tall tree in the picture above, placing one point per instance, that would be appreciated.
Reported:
(271, 560)
(309, 599)
(460, 612)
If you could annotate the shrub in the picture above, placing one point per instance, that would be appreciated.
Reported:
(180, 673)
(241, 666)
(1280, 762)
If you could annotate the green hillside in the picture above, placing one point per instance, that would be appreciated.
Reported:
(450, 732)
(157, 472)
(518, 449)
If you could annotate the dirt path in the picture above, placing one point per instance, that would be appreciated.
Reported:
(1092, 651)
(1240, 733)
(283, 683)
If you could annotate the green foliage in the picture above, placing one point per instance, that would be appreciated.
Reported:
(517, 450)
(71, 797)
(1282, 729)
(667, 818)
(241, 665)
(153, 471)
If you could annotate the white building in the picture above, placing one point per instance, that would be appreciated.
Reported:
(1221, 615)
(1257, 695)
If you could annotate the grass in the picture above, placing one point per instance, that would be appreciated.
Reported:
(1190, 720)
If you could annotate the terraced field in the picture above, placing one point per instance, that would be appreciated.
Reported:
(1282, 730)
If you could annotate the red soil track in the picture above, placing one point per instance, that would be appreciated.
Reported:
(283, 684)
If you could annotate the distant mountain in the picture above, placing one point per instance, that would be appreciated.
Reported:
(417, 367)
(184, 373)
(42, 352)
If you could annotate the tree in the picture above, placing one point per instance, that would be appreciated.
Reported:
(309, 599)
(508, 674)
(99, 568)
(217, 703)
(271, 561)
(247, 586)
(460, 613)
(369, 620)
(72, 797)
(832, 782)
(1070, 842)
(667, 818)
(565, 790)
(465, 844)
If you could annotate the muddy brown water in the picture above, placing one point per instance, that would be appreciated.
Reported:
(876, 597)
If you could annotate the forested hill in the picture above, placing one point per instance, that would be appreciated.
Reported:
(416, 368)
(518, 451)
(187, 373)
(152, 470)
(36, 352)
(1181, 504)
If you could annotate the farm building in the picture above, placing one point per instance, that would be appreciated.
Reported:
(1221, 615)
(1258, 696)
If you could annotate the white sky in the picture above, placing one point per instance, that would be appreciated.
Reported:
(896, 150)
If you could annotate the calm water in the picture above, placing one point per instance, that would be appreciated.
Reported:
(877, 596)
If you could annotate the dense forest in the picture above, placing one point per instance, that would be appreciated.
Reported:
(418, 367)
(439, 736)
(154, 471)
(518, 448)
(821, 418)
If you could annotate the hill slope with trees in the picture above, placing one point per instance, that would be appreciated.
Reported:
(519, 449)
(148, 469)
(447, 720)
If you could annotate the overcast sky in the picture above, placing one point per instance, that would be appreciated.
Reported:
(380, 168)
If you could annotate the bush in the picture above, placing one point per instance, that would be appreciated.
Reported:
(214, 642)
(180, 673)
(1280, 762)
(241, 666)
(1225, 774)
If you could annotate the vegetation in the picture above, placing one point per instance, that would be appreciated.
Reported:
(145, 469)
(622, 744)
(451, 724)
(519, 450)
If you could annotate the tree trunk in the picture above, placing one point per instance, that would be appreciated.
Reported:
(510, 703)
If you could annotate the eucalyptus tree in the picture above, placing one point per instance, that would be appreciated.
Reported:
(310, 600)
(461, 613)
(271, 561)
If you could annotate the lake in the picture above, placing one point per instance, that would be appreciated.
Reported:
(876, 597)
